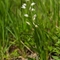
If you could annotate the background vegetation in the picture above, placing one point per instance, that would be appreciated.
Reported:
(30, 29)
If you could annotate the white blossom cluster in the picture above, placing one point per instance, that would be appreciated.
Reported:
(24, 6)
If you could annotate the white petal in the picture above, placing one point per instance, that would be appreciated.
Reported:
(35, 24)
(32, 4)
(26, 15)
(34, 17)
(32, 9)
(23, 6)
(28, 23)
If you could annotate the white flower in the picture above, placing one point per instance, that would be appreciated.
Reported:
(26, 15)
(34, 17)
(32, 9)
(27, 22)
(35, 24)
(32, 4)
(23, 6)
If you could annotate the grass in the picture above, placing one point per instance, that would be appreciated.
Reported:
(30, 27)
